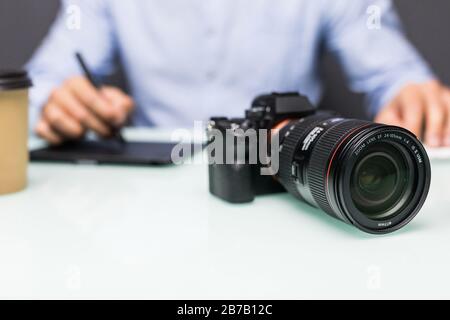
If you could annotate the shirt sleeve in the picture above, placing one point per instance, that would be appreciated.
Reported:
(81, 25)
(376, 56)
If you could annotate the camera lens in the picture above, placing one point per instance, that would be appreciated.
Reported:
(373, 176)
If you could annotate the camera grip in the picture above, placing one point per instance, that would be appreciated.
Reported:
(232, 183)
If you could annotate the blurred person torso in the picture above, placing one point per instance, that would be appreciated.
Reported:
(187, 60)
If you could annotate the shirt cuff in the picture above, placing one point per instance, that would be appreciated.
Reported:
(38, 96)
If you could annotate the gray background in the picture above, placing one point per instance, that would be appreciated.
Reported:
(23, 23)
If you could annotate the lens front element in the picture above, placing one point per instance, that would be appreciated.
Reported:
(379, 183)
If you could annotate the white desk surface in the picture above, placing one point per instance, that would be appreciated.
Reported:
(149, 232)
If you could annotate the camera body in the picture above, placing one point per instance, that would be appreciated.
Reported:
(241, 182)
(373, 176)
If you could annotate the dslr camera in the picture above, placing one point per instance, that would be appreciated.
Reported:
(373, 176)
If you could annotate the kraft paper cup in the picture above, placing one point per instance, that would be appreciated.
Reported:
(13, 131)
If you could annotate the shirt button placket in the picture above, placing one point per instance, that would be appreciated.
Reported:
(211, 41)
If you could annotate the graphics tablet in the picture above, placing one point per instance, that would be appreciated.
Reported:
(107, 152)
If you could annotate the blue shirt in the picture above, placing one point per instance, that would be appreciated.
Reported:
(187, 60)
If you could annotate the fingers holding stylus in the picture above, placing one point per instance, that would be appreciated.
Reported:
(45, 131)
(120, 102)
(77, 106)
(94, 101)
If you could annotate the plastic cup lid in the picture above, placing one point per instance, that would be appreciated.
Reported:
(10, 80)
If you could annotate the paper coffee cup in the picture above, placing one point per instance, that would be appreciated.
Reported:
(13, 131)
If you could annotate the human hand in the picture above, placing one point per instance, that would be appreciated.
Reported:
(77, 106)
(424, 109)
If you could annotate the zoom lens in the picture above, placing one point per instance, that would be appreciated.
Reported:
(373, 176)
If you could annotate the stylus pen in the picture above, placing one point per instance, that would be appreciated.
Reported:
(117, 134)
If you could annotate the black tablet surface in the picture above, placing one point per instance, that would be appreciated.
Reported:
(107, 152)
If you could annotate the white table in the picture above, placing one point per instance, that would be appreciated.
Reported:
(119, 232)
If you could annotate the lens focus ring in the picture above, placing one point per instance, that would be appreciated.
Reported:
(322, 153)
(290, 144)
